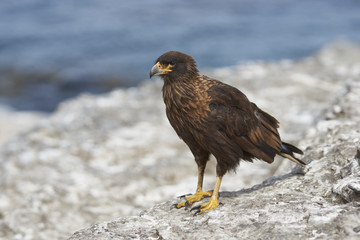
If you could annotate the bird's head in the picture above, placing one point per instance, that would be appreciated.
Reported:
(174, 64)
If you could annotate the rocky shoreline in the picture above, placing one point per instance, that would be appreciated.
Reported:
(107, 157)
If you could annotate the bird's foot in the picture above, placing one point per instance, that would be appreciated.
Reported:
(189, 200)
(213, 203)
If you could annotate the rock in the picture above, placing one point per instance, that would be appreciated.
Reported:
(295, 205)
(103, 157)
(14, 122)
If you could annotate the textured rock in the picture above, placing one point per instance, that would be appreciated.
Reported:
(110, 156)
(321, 202)
(13, 123)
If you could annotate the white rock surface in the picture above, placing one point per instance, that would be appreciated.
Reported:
(104, 157)
(13, 122)
(320, 203)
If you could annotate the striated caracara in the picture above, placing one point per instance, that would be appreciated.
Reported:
(215, 118)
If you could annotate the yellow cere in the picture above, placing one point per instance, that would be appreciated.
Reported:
(165, 70)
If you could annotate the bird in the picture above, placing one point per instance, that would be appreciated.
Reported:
(212, 117)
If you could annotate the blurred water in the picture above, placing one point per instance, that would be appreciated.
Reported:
(85, 42)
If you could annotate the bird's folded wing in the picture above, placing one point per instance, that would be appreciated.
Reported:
(242, 121)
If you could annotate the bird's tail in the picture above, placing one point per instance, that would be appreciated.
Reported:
(288, 150)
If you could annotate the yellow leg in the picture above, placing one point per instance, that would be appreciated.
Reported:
(213, 202)
(199, 194)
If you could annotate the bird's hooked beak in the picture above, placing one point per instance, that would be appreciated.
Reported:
(159, 69)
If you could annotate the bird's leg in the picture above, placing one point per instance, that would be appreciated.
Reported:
(199, 194)
(213, 202)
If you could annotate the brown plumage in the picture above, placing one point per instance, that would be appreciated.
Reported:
(215, 118)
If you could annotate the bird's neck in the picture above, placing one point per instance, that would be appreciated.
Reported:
(178, 93)
(182, 85)
(185, 78)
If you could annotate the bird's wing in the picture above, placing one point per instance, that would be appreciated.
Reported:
(233, 114)
(231, 111)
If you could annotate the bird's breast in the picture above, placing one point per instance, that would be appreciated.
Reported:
(186, 106)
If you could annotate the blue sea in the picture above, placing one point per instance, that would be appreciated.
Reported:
(51, 50)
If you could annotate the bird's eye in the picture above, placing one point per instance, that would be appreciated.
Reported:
(172, 63)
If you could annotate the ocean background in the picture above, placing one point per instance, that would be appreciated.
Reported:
(54, 50)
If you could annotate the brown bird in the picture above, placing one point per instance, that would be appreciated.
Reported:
(215, 118)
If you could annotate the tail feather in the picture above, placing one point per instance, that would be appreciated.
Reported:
(288, 147)
(288, 150)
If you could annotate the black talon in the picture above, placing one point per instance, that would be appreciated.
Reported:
(183, 196)
(195, 208)
(187, 205)
(196, 213)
